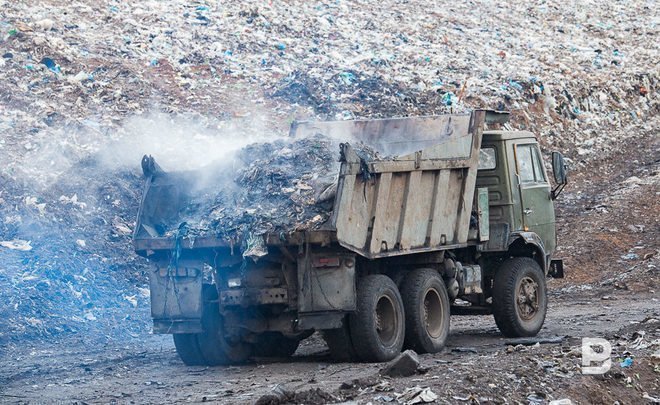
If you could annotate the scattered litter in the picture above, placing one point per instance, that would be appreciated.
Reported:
(51, 65)
(281, 395)
(17, 244)
(627, 362)
(73, 200)
(416, 395)
(464, 349)
(132, 299)
(534, 340)
(630, 256)
(563, 401)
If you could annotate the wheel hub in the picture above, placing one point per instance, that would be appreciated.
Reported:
(386, 320)
(432, 312)
(527, 298)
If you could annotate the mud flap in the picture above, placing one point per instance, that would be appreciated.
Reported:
(556, 269)
(176, 298)
(326, 283)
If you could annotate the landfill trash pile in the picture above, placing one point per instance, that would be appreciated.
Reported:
(572, 74)
(275, 187)
(67, 263)
(76, 74)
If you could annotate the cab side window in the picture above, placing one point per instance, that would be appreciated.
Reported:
(530, 168)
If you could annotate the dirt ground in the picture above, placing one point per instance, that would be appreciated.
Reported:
(478, 366)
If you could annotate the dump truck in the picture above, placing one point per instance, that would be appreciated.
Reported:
(460, 220)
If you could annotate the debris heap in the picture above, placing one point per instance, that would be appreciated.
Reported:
(273, 187)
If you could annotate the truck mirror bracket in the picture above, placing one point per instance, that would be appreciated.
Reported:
(559, 171)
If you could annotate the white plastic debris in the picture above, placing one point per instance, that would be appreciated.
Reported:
(17, 244)
(73, 200)
(132, 299)
(417, 395)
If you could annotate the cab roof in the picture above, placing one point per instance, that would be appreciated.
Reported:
(500, 135)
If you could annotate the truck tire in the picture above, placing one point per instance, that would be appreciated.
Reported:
(340, 343)
(426, 305)
(378, 325)
(520, 298)
(214, 347)
(275, 344)
(188, 349)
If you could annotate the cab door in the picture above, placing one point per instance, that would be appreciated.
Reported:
(537, 212)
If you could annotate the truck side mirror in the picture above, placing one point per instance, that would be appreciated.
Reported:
(559, 173)
(559, 168)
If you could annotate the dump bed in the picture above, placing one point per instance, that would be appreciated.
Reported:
(422, 199)
(416, 195)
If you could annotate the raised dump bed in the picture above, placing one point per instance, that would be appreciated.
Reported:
(418, 197)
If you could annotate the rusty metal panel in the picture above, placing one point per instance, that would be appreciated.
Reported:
(176, 294)
(441, 136)
(482, 211)
(382, 225)
(326, 282)
(254, 296)
(417, 202)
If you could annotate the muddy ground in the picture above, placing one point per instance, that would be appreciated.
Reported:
(477, 366)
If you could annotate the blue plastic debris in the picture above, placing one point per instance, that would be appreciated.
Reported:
(280, 46)
(154, 62)
(627, 362)
(515, 85)
(630, 256)
(51, 65)
(448, 98)
(347, 77)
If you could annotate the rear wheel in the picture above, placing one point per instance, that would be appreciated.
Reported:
(426, 306)
(211, 347)
(378, 326)
(340, 343)
(519, 297)
(216, 348)
(275, 344)
(188, 349)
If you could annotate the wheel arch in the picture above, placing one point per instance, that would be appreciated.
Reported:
(528, 244)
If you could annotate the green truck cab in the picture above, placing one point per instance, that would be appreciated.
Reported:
(520, 196)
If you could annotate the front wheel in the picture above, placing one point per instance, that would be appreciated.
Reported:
(378, 326)
(520, 299)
